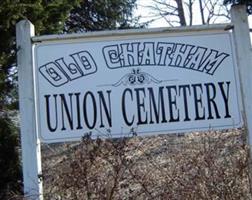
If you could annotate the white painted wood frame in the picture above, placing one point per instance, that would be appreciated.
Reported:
(31, 156)
(243, 52)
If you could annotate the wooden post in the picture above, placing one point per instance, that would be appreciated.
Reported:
(243, 50)
(31, 155)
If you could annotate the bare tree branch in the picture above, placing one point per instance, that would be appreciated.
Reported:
(183, 12)
(202, 12)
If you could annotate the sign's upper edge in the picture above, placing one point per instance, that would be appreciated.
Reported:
(195, 28)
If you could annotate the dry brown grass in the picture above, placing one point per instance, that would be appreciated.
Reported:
(196, 166)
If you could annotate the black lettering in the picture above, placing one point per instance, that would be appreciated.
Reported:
(53, 74)
(71, 69)
(153, 105)
(140, 105)
(130, 53)
(48, 110)
(78, 110)
(180, 54)
(212, 61)
(147, 54)
(65, 109)
(129, 123)
(211, 101)
(85, 62)
(111, 55)
(164, 50)
(198, 102)
(106, 106)
(172, 103)
(94, 109)
(184, 89)
(225, 96)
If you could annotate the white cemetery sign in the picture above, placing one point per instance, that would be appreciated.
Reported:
(135, 81)
(144, 83)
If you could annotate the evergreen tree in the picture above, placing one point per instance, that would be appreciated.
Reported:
(96, 15)
(48, 16)
(248, 3)
(10, 176)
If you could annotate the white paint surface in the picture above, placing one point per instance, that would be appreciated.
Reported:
(103, 79)
(31, 155)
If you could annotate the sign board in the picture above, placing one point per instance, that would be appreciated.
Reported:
(136, 84)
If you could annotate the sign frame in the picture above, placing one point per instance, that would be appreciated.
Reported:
(136, 35)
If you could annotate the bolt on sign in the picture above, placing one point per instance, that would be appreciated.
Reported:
(140, 84)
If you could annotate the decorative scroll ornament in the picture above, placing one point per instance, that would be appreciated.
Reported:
(136, 77)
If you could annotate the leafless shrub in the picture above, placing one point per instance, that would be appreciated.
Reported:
(211, 165)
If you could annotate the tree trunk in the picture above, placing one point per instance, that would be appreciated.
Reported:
(202, 12)
(190, 12)
(181, 13)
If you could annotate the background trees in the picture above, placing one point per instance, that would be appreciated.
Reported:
(96, 15)
(189, 12)
(48, 17)
(192, 12)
